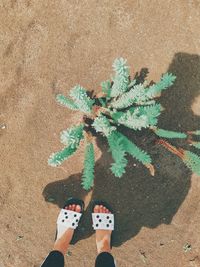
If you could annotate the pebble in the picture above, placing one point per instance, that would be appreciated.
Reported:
(2, 126)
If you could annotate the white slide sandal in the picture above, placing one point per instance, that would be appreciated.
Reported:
(68, 218)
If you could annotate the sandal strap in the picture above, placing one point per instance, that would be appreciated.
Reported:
(68, 219)
(103, 221)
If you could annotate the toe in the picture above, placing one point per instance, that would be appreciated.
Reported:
(78, 208)
(96, 209)
(101, 209)
(73, 207)
(70, 207)
(66, 208)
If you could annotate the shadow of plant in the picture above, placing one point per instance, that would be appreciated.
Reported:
(138, 198)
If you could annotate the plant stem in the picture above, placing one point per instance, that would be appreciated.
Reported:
(179, 152)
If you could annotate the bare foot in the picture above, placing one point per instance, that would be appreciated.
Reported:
(62, 243)
(102, 236)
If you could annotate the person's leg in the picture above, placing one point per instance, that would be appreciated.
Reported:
(54, 259)
(103, 242)
(105, 259)
(56, 256)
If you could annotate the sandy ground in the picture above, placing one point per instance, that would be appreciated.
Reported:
(46, 47)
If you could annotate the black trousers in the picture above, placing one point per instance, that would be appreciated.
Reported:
(56, 259)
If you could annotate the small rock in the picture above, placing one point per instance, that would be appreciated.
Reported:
(196, 258)
(50, 199)
(69, 253)
(19, 237)
(143, 255)
(187, 247)
(2, 126)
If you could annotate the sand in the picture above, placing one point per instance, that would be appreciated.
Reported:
(47, 47)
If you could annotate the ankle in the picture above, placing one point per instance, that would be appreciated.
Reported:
(63, 242)
(103, 246)
(60, 248)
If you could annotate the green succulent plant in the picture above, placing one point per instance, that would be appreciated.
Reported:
(121, 102)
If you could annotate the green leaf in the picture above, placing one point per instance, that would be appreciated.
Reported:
(121, 78)
(169, 134)
(139, 95)
(67, 102)
(82, 101)
(197, 132)
(116, 115)
(151, 111)
(106, 88)
(88, 172)
(134, 150)
(139, 117)
(147, 103)
(72, 136)
(57, 158)
(134, 120)
(102, 124)
(118, 154)
(131, 84)
(102, 101)
(192, 161)
(128, 98)
(196, 144)
(166, 80)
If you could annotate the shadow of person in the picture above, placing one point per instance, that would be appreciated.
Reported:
(178, 99)
(139, 199)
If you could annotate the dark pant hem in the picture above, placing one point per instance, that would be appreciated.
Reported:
(54, 259)
(104, 259)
